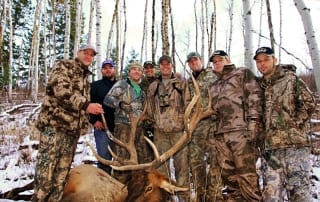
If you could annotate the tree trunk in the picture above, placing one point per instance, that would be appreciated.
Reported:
(3, 15)
(164, 27)
(35, 51)
(124, 33)
(248, 46)
(67, 31)
(304, 12)
(230, 9)
(89, 41)
(272, 40)
(78, 27)
(10, 51)
(153, 41)
(98, 36)
(144, 48)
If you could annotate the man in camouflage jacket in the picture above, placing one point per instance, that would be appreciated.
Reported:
(63, 118)
(207, 184)
(128, 99)
(236, 98)
(288, 107)
(167, 99)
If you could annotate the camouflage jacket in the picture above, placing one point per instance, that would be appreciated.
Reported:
(288, 105)
(124, 91)
(237, 99)
(67, 97)
(145, 82)
(205, 79)
(166, 103)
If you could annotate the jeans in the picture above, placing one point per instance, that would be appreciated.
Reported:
(102, 142)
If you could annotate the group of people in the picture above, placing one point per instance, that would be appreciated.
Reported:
(254, 117)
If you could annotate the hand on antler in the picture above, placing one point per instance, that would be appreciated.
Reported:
(125, 106)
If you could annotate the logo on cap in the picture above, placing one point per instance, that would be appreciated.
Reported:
(264, 50)
(218, 53)
(107, 61)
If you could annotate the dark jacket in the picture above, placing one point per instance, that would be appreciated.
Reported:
(99, 89)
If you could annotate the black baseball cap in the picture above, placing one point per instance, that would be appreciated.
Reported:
(220, 53)
(264, 50)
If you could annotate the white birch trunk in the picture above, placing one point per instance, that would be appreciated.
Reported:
(144, 48)
(98, 36)
(248, 44)
(2, 28)
(35, 51)
(45, 41)
(10, 51)
(67, 31)
(91, 18)
(78, 27)
(304, 12)
(53, 36)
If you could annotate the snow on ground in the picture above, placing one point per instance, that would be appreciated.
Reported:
(18, 151)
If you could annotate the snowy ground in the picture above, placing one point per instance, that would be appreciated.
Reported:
(18, 150)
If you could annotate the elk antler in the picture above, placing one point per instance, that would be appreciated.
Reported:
(190, 124)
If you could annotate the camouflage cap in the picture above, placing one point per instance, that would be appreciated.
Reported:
(193, 55)
(88, 46)
(165, 58)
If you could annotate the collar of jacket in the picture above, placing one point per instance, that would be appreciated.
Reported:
(109, 80)
(227, 69)
(160, 77)
(278, 74)
(196, 74)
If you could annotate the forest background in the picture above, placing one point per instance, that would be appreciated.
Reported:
(35, 34)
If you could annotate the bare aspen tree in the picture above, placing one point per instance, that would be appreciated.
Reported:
(91, 15)
(196, 23)
(304, 12)
(214, 22)
(124, 34)
(260, 22)
(173, 38)
(2, 28)
(280, 30)
(118, 35)
(272, 40)
(44, 46)
(202, 24)
(111, 31)
(67, 30)
(164, 27)
(144, 48)
(98, 36)
(34, 57)
(78, 27)
(248, 44)
(230, 11)
(53, 35)
(10, 51)
(153, 41)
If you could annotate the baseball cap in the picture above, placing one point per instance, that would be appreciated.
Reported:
(220, 53)
(135, 65)
(108, 61)
(88, 46)
(264, 50)
(193, 55)
(166, 58)
(149, 62)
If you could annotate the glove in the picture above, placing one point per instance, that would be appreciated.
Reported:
(125, 106)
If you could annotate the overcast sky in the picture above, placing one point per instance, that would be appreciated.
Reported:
(292, 29)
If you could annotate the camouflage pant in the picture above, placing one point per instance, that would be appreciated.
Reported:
(55, 155)
(122, 132)
(291, 180)
(164, 141)
(205, 175)
(237, 158)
